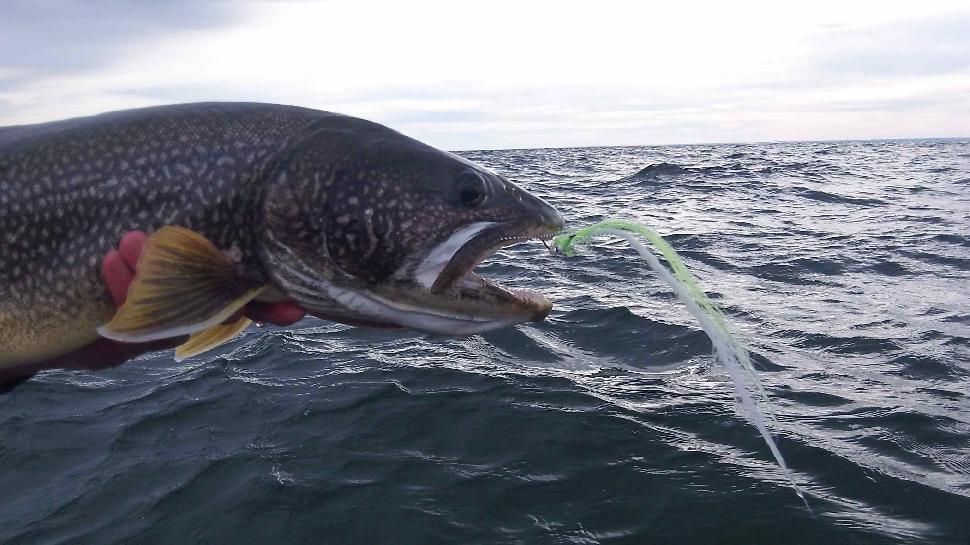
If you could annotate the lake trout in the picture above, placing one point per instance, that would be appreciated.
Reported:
(349, 219)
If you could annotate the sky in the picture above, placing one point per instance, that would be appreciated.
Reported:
(510, 74)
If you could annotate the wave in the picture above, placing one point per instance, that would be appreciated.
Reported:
(654, 171)
(756, 169)
(953, 238)
(824, 196)
(657, 171)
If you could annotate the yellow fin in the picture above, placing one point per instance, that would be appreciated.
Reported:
(204, 341)
(183, 285)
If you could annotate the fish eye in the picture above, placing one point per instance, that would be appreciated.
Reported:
(472, 188)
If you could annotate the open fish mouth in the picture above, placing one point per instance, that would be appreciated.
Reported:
(442, 294)
(449, 270)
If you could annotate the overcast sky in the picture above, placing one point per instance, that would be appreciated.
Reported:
(497, 74)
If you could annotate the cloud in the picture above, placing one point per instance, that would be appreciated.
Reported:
(44, 37)
(512, 74)
(52, 50)
(924, 46)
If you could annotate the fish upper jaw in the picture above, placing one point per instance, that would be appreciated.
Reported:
(429, 270)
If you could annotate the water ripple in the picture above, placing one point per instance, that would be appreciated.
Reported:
(844, 265)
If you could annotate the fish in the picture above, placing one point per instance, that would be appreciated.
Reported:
(354, 221)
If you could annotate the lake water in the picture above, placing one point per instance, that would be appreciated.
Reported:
(845, 266)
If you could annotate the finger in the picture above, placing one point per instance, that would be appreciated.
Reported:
(117, 276)
(104, 353)
(8, 383)
(131, 246)
(235, 317)
(281, 314)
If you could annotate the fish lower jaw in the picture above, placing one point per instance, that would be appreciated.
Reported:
(528, 297)
(379, 309)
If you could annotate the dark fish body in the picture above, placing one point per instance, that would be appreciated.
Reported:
(69, 191)
(351, 202)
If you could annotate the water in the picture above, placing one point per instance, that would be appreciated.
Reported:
(845, 266)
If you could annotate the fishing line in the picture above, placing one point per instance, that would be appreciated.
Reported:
(729, 353)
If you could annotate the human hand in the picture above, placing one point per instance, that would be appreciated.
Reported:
(118, 271)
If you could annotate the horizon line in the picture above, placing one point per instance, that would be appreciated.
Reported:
(748, 143)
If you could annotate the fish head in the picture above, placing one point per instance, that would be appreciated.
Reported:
(364, 225)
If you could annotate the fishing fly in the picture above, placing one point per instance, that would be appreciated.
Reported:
(729, 353)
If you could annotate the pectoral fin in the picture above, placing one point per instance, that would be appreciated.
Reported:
(204, 341)
(183, 285)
